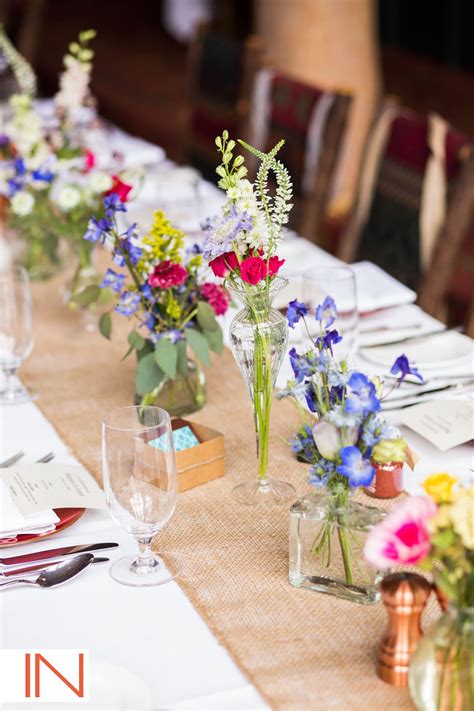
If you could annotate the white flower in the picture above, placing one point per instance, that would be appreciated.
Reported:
(329, 439)
(22, 204)
(68, 198)
(74, 84)
(100, 182)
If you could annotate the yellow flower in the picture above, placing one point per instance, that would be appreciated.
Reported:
(173, 308)
(462, 515)
(440, 487)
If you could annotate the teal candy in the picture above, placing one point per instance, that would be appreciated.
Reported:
(183, 438)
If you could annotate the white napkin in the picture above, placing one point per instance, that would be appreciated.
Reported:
(378, 290)
(13, 523)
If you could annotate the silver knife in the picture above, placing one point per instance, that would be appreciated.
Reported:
(414, 338)
(53, 554)
(35, 568)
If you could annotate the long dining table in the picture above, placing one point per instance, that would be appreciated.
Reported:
(153, 646)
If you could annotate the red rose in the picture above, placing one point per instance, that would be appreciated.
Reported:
(274, 265)
(223, 265)
(167, 274)
(216, 296)
(122, 189)
(253, 270)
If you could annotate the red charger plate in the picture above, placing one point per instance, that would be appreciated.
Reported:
(67, 517)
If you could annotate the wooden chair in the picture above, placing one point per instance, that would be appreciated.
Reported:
(29, 24)
(312, 122)
(413, 168)
(220, 76)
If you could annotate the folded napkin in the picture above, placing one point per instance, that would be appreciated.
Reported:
(13, 523)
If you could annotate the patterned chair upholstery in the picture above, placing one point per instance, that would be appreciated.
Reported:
(220, 76)
(387, 225)
(312, 122)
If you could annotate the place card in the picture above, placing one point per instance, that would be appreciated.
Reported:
(37, 487)
(444, 423)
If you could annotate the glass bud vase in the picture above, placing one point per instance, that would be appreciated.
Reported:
(441, 676)
(185, 394)
(258, 337)
(327, 536)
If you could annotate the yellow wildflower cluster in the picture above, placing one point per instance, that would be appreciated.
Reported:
(173, 307)
(163, 241)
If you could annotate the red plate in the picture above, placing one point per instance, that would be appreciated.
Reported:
(66, 518)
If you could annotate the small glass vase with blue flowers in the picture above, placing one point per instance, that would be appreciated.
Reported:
(341, 436)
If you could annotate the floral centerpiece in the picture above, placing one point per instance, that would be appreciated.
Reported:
(241, 247)
(159, 286)
(343, 436)
(436, 533)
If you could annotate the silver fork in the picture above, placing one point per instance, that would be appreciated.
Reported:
(47, 458)
(11, 460)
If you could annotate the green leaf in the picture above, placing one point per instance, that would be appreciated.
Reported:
(87, 296)
(166, 356)
(199, 345)
(149, 374)
(215, 340)
(182, 364)
(136, 340)
(105, 325)
(206, 317)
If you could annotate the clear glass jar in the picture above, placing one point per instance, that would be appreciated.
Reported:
(327, 537)
(185, 394)
(258, 337)
(441, 676)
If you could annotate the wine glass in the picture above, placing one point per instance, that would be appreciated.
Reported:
(141, 487)
(338, 282)
(16, 332)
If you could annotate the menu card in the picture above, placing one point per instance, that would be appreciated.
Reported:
(444, 423)
(37, 487)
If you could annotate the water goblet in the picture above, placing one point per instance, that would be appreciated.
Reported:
(141, 488)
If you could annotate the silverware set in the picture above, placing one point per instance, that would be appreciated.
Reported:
(51, 567)
(16, 457)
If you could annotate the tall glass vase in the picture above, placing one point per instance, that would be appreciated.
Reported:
(259, 336)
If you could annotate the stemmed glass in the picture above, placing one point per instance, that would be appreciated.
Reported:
(141, 487)
(338, 282)
(16, 332)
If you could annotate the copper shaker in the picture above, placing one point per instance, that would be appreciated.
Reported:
(405, 596)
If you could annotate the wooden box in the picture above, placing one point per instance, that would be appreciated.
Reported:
(202, 463)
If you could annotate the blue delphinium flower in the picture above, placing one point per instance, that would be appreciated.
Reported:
(20, 168)
(221, 234)
(375, 429)
(113, 280)
(97, 230)
(402, 366)
(44, 175)
(321, 472)
(363, 396)
(329, 339)
(128, 303)
(113, 204)
(338, 378)
(358, 470)
(296, 309)
(340, 418)
(326, 312)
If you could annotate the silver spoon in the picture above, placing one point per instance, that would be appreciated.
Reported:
(55, 574)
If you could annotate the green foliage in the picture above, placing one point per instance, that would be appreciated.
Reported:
(136, 343)
(105, 325)
(206, 317)
(149, 374)
(166, 356)
(182, 362)
(199, 345)
(230, 171)
(87, 296)
(215, 340)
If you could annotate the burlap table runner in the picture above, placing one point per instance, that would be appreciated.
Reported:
(302, 650)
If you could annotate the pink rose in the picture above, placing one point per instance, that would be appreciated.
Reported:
(253, 270)
(403, 536)
(216, 296)
(167, 274)
(274, 265)
(223, 265)
(122, 189)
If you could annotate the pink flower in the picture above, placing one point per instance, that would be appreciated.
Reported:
(223, 265)
(274, 265)
(122, 189)
(253, 270)
(403, 536)
(167, 274)
(216, 296)
(89, 159)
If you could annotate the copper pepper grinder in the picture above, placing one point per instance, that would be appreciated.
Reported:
(405, 596)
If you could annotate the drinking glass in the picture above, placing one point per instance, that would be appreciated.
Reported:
(141, 487)
(339, 282)
(16, 332)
